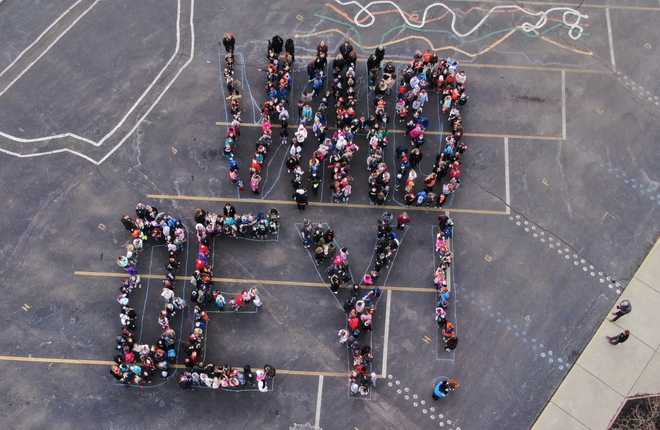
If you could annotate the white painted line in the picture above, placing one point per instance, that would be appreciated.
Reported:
(176, 50)
(167, 87)
(386, 337)
(29, 66)
(319, 398)
(132, 130)
(52, 24)
(507, 180)
(563, 104)
(609, 37)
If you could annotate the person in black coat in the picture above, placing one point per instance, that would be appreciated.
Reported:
(276, 44)
(346, 49)
(290, 49)
(229, 41)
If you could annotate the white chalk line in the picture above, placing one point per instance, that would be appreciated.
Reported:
(45, 51)
(575, 30)
(140, 120)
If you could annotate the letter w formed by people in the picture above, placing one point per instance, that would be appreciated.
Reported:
(357, 298)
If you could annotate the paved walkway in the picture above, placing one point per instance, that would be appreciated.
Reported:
(595, 388)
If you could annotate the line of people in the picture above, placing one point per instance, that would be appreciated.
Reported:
(377, 135)
(136, 363)
(427, 72)
(278, 83)
(445, 258)
(344, 91)
(229, 223)
(233, 99)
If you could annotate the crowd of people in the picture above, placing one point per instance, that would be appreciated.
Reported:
(137, 363)
(445, 258)
(342, 143)
(230, 223)
(426, 72)
(320, 239)
(233, 99)
(360, 314)
(280, 56)
(233, 225)
(360, 308)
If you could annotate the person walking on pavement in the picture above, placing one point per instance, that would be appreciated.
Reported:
(619, 338)
(623, 308)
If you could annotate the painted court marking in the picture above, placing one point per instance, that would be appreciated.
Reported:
(323, 204)
(52, 24)
(609, 38)
(493, 66)
(319, 398)
(285, 283)
(130, 111)
(507, 179)
(386, 337)
(91, 362)
(429, 132)
(45, 51)
(563, 105)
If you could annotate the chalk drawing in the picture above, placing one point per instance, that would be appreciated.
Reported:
(570, 17)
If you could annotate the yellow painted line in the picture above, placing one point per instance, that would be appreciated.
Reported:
(251, 281)
(324, 204)
(52, 360)
(311, 373)
(496, 66)
(85, 362)
(429, 132)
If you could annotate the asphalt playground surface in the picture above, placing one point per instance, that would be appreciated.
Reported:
(118, 102)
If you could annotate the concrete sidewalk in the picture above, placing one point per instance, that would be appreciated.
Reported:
(605, 375)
